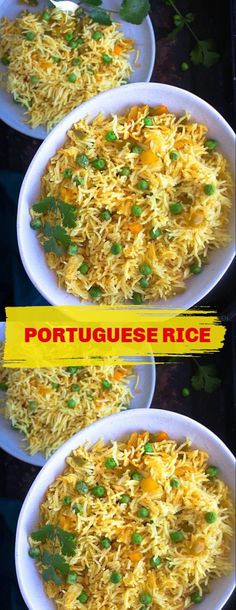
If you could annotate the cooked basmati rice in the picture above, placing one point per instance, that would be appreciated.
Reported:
(40, 399)
(119, 176)
(39, 68)
(168, 573)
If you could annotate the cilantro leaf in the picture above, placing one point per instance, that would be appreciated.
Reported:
(55, 234)
(61, 235)
(99, 15)
(43, 533)
(44, 205)
(134, 11)
(204, 53)
(56, 561)
(50, 574)
(180, 21)
(206, 379)
(68, 213)
(51, 246)
(67, 541)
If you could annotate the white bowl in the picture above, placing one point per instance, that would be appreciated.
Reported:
(113, 428)
(12, 441)
(143, 35)
(117, 101)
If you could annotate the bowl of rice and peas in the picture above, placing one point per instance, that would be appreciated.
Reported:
(52, 61)
(130, 200)
(134, 513)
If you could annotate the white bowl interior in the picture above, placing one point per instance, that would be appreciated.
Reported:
(117, 101)
(12, 440)
(113, 428)
(14, 114)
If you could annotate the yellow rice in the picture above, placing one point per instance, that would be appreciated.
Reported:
(183, 239)
(34, 403)
(38, 70)
(185, 568)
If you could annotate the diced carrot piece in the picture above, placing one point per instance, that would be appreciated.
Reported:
(43, 390)
(133, 439)
(135, 228)
(118, 375)
(149, 484)
(135, 556)
(179, 145)
(161, 110)
(133, 113)
(163, 436)
(148, 157)
(118, 49)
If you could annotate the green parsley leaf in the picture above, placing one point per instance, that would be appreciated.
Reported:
(51, 246)
(99, 15)
(204, 53)
(56, 561)
(206, 378)
(180, 21)
(55, 234)
(43, 533)
(61, 235)
(67, 541)
(134, 11)
(44, 205)
(68, 213)
(50, 574)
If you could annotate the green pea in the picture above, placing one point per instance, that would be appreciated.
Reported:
(177, 536)
(196, 598)
(99, 164)
(184, 66)
(143, 512)
(69, 36)
(137, 298)
(75, 387)
(34, 80)
(145, 269)
(211, 517)
(76, 61)
(72, 249)
(82, 160)
(97, 35)
(46, 16)
(72, 578)
(98, 491)
(211, 144)
(154, 233)
(95, 292)
(136, 476)
(174, 483)
(148, 121)
(155, 561)
(144, 282)
(107, 59)
(212, 471)
(83, 597)
(136, 149)
(73, 369)
(67, 500)
(174, 155)
(125, 499)
(136, 210)
(78, 181)
(107, 385)
(110, 463)
(209, 189)
(105, 215)
(125, 171)
(71, 403)
(185, 392)
(148, 448)
(145, 598)
(36, 224)
(116, 577)
(105, 543)
(143, 185)
(82, 487)
(72, 77)
(116, 249)
(176, 208)
(32, 405)
(30, 36)
(68, 172)
(136, 538)
(78, 509)
(195, 268)
(73, 44)
(84, 268)
(111, 136)
(5, 60)
(34, 552)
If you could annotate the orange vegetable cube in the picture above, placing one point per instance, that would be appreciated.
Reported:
(118, 49)
(135, 556)
(163, 436)
(161, 110)
(148, 157)
(149, 484)
(135, 228)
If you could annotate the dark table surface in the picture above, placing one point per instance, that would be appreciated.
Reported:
(217, 86)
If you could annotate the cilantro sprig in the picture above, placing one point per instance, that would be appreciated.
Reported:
(66, 539)
(133, 11)
(57, 236)
(205, 378)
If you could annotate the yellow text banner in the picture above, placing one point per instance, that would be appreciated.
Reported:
(90, 335)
